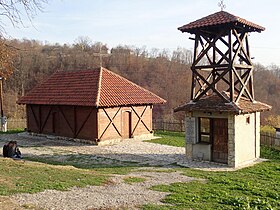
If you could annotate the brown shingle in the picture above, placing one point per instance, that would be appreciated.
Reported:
(214, 103)
(218, 19)
(98, 87)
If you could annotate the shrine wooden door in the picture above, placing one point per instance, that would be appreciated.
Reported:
(126, 125)
(220, 140)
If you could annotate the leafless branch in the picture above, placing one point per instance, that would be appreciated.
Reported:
(15, 10)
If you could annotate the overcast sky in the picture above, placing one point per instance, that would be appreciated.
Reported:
(150, 23)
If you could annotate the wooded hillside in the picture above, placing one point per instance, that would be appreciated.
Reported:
(166, 73)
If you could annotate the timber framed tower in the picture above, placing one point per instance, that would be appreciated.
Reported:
(222, 59)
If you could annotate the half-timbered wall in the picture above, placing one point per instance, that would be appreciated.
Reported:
(68, 121)
(113, 123)
(88, 123)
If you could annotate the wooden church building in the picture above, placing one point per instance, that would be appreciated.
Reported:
(96, 106)
(222, 117)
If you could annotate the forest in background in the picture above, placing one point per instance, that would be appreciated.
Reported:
(164, 72)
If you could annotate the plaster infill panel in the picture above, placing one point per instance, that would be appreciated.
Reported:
(245, 138)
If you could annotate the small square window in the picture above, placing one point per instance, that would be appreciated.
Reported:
(204, 130)
(248, 120)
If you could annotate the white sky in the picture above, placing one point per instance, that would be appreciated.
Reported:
(150, 23)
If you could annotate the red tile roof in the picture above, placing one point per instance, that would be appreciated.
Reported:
(98, 87)
(219, 19)
(215, 103)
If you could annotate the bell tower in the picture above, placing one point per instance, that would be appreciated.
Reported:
(223, 117)
(221, 59)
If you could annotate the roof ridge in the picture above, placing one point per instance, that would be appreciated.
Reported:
(121, 77)
(99, 86)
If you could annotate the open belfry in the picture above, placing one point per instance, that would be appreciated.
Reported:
(222, 117)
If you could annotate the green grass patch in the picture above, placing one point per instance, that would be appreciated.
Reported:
(270, 153)
(133, 179)
(176, 139)
(256, 187)
(12, 131)
(30, 177)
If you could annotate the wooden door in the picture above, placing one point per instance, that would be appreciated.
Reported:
(126, 125)
(220, 140)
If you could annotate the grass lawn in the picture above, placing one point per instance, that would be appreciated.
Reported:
(256, 187)
(30, 177)
(131, 180)
(169, 138)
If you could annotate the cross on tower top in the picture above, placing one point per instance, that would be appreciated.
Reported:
(222, 5)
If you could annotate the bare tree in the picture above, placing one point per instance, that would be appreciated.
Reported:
(83, 42)
(15, 10)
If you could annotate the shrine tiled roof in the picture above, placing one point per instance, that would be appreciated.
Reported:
(220, 19)
(98, 87)
(215, 103)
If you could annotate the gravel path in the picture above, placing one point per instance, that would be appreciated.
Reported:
(116, 195)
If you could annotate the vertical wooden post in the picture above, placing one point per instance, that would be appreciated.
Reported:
(193, 66)
(231, 74)
(1, 96)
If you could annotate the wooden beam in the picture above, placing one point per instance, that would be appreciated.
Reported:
(231, 75)
(249, 74)
(242, 83)
(211, 44)
(203, 85)
(140, 119)
(36, 120)
(235, 83)
(193, 87)
(212, 66)
(251, 85)
(210, 86)
(67, 122)
(111, 122)
(194, 59)
(46, 119)
(243, 87)
(84, 122)
(240, 38)
(203, 48)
